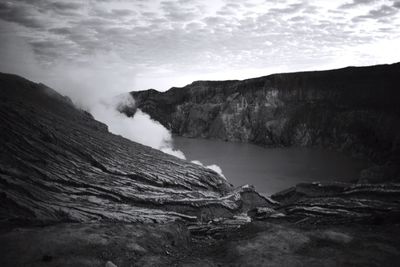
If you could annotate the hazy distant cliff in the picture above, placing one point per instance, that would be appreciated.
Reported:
(355, 109)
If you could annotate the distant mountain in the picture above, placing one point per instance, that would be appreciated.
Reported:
(354, 109)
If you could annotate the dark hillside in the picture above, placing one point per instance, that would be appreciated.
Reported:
(354, 109)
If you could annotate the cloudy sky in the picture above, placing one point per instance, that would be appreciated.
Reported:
(119, 45)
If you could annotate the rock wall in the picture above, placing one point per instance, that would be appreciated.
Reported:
(355, 109)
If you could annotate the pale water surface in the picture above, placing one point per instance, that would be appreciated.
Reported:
(270, 170)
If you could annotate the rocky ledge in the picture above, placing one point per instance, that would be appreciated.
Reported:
(353, 109)
(73, 194)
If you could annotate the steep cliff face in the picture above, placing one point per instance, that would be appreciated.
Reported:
(355, 109)
(59, 164)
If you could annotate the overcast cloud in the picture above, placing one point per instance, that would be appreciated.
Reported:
(107, 47)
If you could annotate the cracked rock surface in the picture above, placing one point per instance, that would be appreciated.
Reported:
(58, 164)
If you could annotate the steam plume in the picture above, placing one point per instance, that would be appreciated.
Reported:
(213, 167)
(141, 128)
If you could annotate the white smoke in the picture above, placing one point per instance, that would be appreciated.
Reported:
(213, 167)
(174, 152)
(141, 128)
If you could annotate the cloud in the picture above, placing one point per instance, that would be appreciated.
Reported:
(180, 10)
(64, 6)
(113, 14)
(356, 3)
(20, 14)
(168, 43)
(16, 55)
(290, 9)
(61, 31)
(382, 12)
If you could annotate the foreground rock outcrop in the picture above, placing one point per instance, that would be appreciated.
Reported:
(73, 194)
(354, 109)
(339, 203)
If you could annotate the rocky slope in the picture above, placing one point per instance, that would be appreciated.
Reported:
(73, 194)
(354, 109)
(58, 164)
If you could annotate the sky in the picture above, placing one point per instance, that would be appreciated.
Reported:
(98, 47)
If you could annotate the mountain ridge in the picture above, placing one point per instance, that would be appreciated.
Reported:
(273, 74)
(352, 109)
